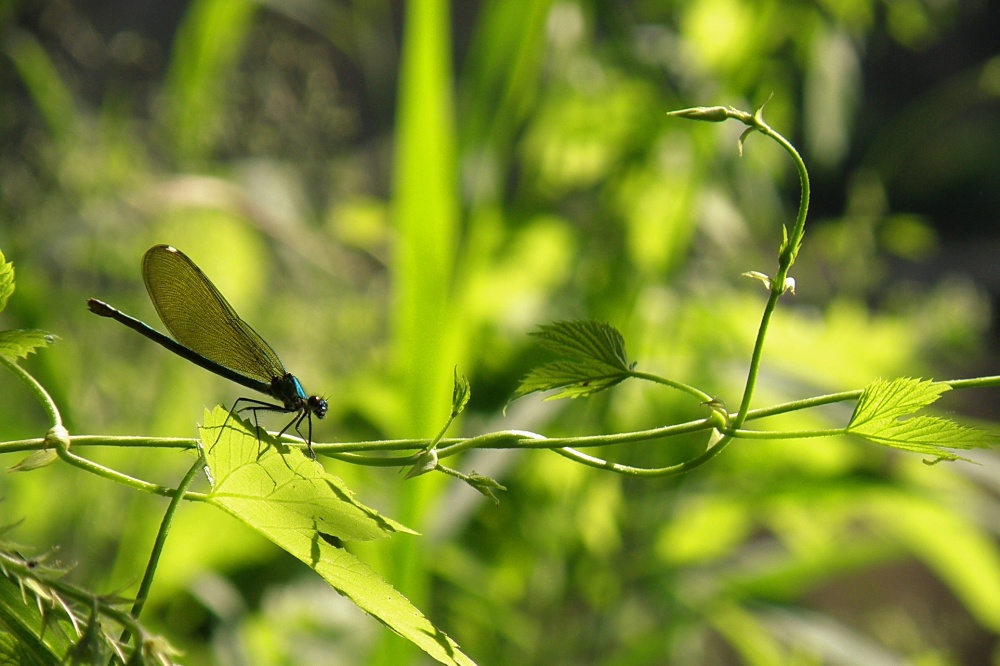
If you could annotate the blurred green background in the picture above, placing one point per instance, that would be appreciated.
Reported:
(388, 190)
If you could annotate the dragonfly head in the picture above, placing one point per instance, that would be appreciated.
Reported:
(317, 406)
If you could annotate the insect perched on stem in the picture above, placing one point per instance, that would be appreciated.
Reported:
(208, 332)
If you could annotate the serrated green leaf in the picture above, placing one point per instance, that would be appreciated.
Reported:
(931, 435)
(884, 400)
(878, 418)
(597, 360)
(291, 500)
(572, 379)
(264, 481)
(21, 342)
(6, 281)
(594, 341)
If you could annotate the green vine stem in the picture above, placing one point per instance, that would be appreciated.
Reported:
(161, 538)
(786, 255)
(362, 452)
(43, 396)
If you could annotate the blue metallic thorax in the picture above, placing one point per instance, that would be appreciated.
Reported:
(289, 391)
(299, 391)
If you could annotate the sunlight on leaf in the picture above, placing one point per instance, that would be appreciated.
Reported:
(879, 412)
(19, 343)
(597, 360)
(585, 340)
(294, 502)
(264, 482)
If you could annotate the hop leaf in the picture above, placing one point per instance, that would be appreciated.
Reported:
(21, 342)
(295, 503)
(879, 414)
(595, 360)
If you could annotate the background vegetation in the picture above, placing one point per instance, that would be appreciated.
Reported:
(388, 190)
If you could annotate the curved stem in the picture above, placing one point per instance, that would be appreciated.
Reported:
(161, 538)
(786, 258)
(641, 472)
(43, 396)
(89, 466)
(503, 439)
(680, 386)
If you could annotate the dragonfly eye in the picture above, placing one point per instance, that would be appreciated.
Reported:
(317, 406)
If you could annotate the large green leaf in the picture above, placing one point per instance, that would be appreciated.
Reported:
(294, 502)
(275, 487)
(879, 412)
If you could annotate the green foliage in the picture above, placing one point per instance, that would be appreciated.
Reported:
(381, 245)
(6, 281)
(282, 492)
(46, 621)
(879, 414)
(460, 394)
(17, 344)
(596, 360)
(290, 500)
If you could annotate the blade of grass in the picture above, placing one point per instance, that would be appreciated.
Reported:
(208, 44)
(426, 217)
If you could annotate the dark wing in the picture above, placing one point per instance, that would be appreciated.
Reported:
(200, 318)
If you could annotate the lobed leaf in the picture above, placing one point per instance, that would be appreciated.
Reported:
(884, 400)
(571, 379)
(290, 499)
(265, 482)
(597, 360)
(21, 342)
(878, 418)
(594, 341)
